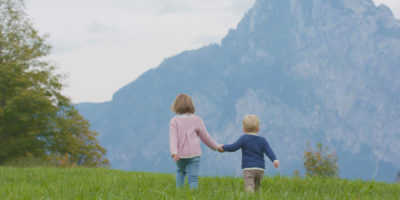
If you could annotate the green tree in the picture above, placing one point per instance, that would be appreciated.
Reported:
(397, 179)
(35, 118)
(320, 163)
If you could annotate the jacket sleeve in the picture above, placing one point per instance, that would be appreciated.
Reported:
(268, 151)
(173, 137)
(205, 137)
(234, 146)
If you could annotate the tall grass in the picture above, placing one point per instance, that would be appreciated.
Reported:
(84, 183)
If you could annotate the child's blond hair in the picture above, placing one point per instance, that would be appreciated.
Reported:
(251, 123)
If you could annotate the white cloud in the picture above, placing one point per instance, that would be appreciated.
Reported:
(96, 27)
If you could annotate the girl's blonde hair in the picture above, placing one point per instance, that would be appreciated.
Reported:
(251, 123)
(183, 104)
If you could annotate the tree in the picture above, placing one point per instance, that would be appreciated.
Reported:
(398, 177)
(320, 163)
(35, 118)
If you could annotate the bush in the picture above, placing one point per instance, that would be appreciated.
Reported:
(59, 161)
(320, 163)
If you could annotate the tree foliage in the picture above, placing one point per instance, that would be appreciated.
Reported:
(35, 117)
(397, 179)
(320, 163)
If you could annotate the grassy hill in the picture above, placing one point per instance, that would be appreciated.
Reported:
(81, 183)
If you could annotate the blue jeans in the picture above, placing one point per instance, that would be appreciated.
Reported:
(189, 167)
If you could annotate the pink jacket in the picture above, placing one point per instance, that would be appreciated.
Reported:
(185, 132)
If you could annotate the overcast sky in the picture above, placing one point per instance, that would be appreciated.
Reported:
(103, 45)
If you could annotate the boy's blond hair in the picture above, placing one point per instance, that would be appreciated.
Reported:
(251, 123)
(183, 104)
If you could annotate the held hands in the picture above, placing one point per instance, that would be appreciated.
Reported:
(276, 163)
(220, 149)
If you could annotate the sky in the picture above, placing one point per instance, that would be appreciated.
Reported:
(102, 45)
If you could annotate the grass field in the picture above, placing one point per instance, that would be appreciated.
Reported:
(81, 183)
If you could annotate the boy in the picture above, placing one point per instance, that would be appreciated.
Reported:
(253, 149)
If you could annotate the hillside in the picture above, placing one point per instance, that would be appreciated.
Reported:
(52, 183)
(313, 71)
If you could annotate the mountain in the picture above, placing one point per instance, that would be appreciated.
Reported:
(312, 70)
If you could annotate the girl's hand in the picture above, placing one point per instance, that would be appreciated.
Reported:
(220, 149)
(175, 157)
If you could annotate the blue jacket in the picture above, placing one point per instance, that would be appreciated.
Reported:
(253, 149)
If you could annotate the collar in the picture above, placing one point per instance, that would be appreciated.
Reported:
(256, 134)
(185, 115)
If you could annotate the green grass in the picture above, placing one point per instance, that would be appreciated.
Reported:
(81, 183)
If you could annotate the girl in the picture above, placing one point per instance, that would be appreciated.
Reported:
(185, 132)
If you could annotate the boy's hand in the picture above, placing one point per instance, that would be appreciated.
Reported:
(175, 157)
(220, 149)
(276, 163)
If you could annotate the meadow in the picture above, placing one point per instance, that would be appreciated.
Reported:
(102, 183)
